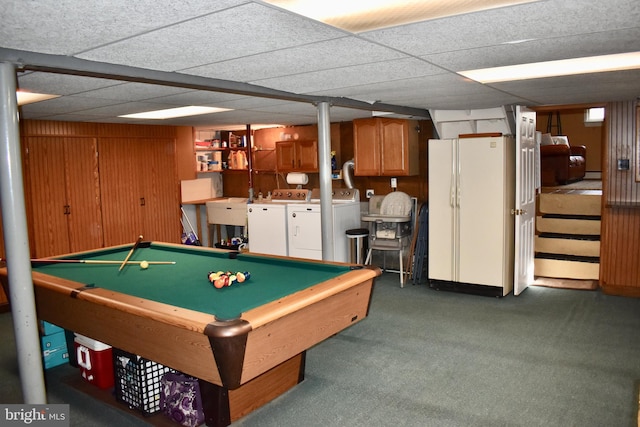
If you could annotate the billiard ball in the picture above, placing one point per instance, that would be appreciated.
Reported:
(219, 282)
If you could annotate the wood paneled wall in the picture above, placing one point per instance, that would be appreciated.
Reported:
(116, 130)
(156, 168)
(620, 236)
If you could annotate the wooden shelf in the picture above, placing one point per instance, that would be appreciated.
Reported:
(200, 149)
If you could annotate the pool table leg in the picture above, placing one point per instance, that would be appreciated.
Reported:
(223, 406)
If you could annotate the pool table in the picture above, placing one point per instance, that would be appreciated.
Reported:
(246, 342)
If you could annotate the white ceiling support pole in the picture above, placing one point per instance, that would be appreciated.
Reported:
(324, 163)
(16, 239)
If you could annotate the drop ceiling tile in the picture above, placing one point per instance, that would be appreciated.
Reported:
(602, 87)
(232, 33)
(128, 108)
(80, 117)
(430, 92)
(67, 27)
(299, 108)
(252, 103)
(201, 97)
(322, 55)
(239, 118)
(550, 49)
(137, 92)
(396, 70)
(61, 84)
(65, 104)
(539, 20)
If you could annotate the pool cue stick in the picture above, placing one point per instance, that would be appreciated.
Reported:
(95, 261)
(135, 245)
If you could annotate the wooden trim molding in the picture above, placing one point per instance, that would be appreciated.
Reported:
(637, 144)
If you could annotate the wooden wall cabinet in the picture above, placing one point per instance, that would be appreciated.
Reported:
(385, 147)
(297, 156)
(139, 190)
(64, 194)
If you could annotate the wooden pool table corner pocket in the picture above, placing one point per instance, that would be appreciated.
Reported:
(228, 341)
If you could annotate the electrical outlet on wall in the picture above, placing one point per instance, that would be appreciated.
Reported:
(394, 182)
(370, 193)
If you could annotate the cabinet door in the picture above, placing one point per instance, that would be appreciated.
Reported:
(159, 189)
(120, 190)
(46, 163)
(394, 147)
(285, 155)
(83, 194)
(366, 147)
(139, 190)
(307, 156)
(65, 194)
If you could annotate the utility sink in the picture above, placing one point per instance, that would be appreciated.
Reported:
(242, 200)
(227, 211)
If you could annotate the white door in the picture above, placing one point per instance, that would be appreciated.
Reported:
(442, 207)
(525, 205)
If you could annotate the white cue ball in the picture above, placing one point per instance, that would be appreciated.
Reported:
(144, 265)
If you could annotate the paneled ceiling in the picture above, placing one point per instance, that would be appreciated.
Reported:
(270, 65)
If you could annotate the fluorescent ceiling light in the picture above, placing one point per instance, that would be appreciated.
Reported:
(31, 97)
(364, 15)
(170, 113)
(563, 67)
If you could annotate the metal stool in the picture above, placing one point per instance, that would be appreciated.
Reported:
(357, 236)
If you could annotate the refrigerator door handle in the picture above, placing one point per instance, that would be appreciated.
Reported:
(452, 191)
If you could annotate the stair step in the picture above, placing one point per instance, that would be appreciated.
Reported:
(589, 237)
(579, 203)
(566, 283)
(566, 269)
(570, 225)
(555, 244)
(567, 257)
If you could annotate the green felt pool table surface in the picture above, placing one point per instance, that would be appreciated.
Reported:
(185, 283)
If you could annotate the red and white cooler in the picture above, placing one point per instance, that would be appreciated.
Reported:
(95, 361)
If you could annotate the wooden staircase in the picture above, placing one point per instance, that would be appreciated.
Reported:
(567, 241)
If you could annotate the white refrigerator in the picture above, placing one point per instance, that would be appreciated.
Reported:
(471, 223)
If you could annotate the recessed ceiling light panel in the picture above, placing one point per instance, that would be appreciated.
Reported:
(171, 113)
(357, 16)
(563, 67)
(31, 97)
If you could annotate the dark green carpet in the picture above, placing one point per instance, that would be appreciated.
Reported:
(549, 357)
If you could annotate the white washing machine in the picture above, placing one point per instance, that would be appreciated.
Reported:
(305, 228)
